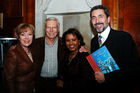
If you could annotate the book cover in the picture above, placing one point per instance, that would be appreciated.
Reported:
(101, 60)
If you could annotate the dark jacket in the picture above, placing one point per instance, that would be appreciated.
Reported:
(38, 51)
(123, 49)
(19, 71)
(78, 74)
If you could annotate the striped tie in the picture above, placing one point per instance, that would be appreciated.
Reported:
(100, 40)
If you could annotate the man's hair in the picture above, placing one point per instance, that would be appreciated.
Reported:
(53, 18)
(100, 7)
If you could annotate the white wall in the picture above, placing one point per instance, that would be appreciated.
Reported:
(44, 8)
(65, 6)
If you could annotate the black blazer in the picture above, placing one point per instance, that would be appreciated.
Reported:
(38, 52)
(123, 49)
(78, 74)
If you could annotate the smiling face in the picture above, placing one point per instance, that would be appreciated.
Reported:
(99, 20)
(26, 37)
(52, 29)
(72, 42)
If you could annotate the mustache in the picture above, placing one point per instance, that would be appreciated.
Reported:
(98, 24)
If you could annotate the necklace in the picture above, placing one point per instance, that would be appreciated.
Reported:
(72, 56)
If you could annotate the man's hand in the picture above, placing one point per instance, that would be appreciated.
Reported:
(59, 83)
(99, 76)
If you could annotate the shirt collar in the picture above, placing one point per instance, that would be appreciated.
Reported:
(55, 42)
(105, 33)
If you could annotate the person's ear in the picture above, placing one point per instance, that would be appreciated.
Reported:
(108, 19)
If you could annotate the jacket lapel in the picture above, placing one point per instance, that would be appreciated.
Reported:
(23, 54)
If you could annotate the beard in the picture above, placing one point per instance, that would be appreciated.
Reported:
(99, 29)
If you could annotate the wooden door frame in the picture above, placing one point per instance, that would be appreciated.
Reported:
(113, 6)
(28, 11)
(117, 10)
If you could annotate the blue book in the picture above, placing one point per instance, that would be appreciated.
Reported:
(103, 59)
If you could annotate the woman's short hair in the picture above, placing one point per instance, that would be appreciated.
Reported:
(23, 28)
(75, 32)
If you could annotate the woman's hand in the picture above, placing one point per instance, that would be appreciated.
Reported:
(83, 49)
